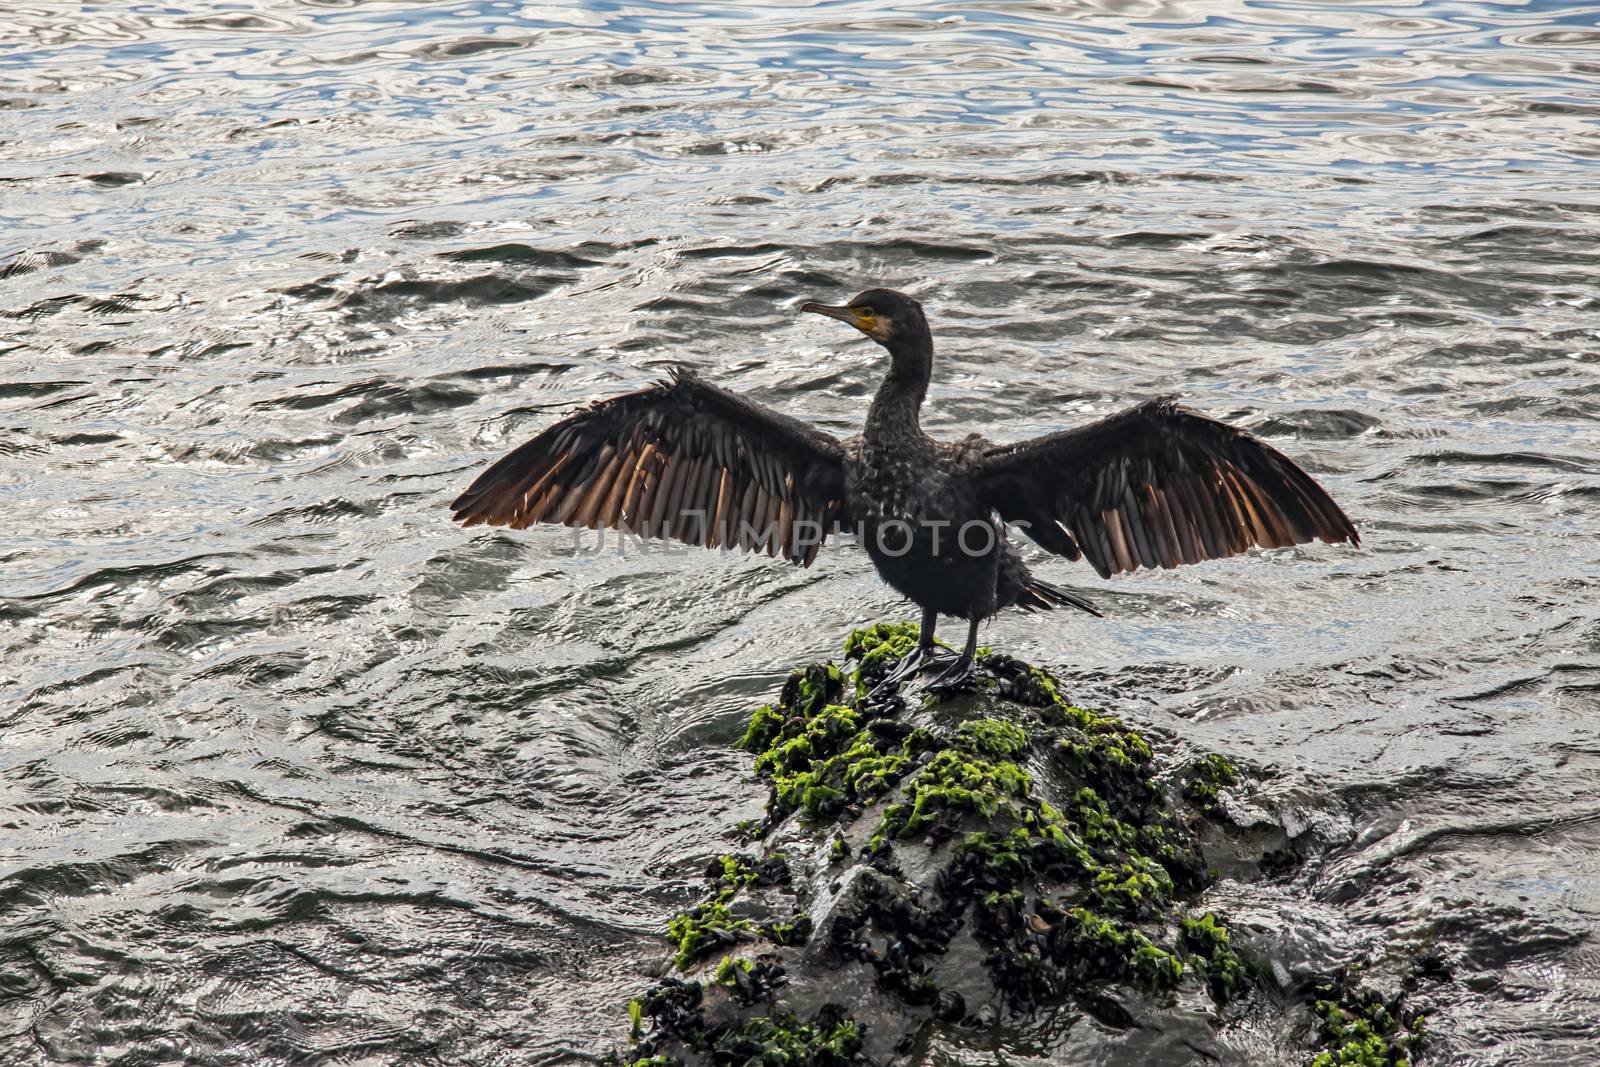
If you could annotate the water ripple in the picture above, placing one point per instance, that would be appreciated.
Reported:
(294, 770)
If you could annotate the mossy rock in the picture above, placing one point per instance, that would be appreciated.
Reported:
(958, 858)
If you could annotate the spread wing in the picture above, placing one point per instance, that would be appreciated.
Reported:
(682, 460)
(1156, 486)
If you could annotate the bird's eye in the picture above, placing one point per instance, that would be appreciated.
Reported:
(868, 312)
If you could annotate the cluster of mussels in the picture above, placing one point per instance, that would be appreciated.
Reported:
(979, 854)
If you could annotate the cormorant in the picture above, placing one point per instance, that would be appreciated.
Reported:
(1153, 486)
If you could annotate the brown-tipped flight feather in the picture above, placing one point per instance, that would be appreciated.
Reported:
(680, 459)
(1156, 486)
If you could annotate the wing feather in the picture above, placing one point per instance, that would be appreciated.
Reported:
(646, 474)
(1156, 486)
(671, 477)
(680, 459)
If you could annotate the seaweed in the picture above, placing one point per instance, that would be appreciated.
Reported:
(968, 787)
(1361, 1028)
(1206, 777)
(821, 755)
(797, 931)
(710, 924)
(829, 1038)
(704, 928)
(1207, 940)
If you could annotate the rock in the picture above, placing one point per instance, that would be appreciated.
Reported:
(955, 859)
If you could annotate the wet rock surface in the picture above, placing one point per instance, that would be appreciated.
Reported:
(963, 858)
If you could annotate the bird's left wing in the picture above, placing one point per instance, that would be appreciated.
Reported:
(682, 460)
(1155, 486)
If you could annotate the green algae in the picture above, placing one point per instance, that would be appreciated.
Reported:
(953, 783)
(783, 1041)
(821, 755)
(1206, 777)
(748, 981)
(773, 1038)
(992, 737)
(702, 928)
(877, 649)
(1365, 1030)
(796, 931)
(839, 851)
(1095, 947)
(1206, 938)
(710, 924)
(1131, 888)
(1153, 967)
(735, 872)
(728, 966)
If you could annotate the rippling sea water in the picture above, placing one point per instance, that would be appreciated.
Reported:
(292, 770)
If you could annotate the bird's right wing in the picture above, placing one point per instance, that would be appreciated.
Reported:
(682, 460)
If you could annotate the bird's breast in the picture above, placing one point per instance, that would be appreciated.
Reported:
(903, 486)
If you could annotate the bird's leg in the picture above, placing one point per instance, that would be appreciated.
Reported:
(961, 669)
(912, 661)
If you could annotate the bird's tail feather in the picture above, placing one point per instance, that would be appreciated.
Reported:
(1039, 595)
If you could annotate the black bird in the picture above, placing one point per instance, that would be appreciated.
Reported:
(1153, 486)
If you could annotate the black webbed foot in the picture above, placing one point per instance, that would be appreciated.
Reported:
(909, 665)
(913, 661)
(959, 673)
(955, 676)
(918, 661)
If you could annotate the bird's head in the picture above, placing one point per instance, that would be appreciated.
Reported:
(892, 319)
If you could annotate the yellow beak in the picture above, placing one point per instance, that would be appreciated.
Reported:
(859, 319)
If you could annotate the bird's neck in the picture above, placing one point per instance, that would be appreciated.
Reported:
(897, 407)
